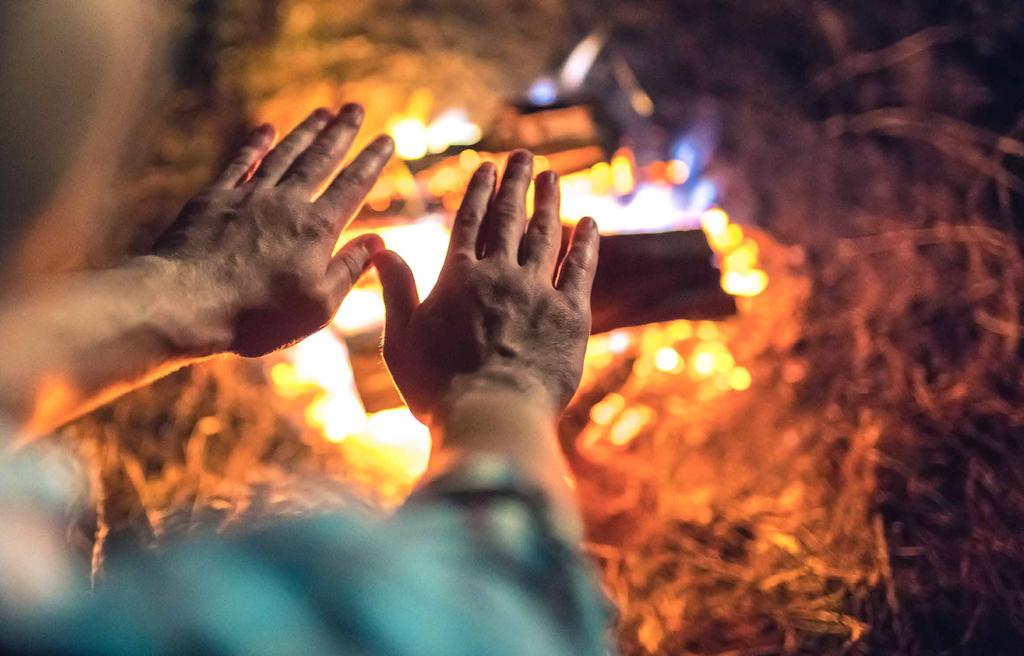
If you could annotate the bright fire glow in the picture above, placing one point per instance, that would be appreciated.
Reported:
(667, 359)
(414, 138)
(319, 364)
(422, 244)
(410, 137)
(741, 275)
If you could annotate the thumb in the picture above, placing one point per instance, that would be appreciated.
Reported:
(350, 262)
(400, 296)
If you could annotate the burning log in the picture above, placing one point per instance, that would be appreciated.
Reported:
(654, 277)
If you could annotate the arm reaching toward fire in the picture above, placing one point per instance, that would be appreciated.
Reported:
(491, 357)
(248, 267)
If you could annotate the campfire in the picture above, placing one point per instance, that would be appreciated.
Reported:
(798, 426)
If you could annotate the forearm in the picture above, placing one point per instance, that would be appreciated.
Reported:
(512, 418)
(82, 339)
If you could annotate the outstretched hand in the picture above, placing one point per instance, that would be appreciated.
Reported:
(247, 267)
(498, 313)
(257, 246)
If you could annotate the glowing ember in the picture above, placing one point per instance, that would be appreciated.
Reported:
(667, 359)
(739, 379)
(630, 423)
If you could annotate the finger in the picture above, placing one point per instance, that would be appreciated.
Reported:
(466, 228)
(281, 157)
(576, 277)
(544, 234)
(400, 296)
(238, 169)
(506, 219)
(350, 262)
(324, 155)
(347, 192)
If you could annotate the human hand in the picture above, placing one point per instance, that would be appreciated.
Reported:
(497, 316)
(254, 246)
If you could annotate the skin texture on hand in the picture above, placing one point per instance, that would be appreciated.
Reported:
(498, 317)
(258, 248)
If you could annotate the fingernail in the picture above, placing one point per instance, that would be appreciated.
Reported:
(322, 114)
(383, 143)
(548, 178)
(265, 130)
(487, 169)
(521, 158)
(352, 112)
(374, 244)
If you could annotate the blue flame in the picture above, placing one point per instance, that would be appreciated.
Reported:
(543, 91)
(685, 151)
(701, 196)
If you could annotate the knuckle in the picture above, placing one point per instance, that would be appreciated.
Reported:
(510, 287)
(564, 314)
(468, 216)
(310, 126)
(507, 207)
(266, 168)
(291, 144)
(488, 275)
(575, 305)
(580, 323)
(201, 203)
(461, 259)
(318, 152)
(577, 267)
(358, 175)
(543, 226)
(539, 241)
(243, 158)
(301, 176)
(352, 268)
(319, 225)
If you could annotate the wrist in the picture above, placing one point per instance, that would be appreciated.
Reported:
(500, 379)
(490, 390)
(190, 316)
(509, 414)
